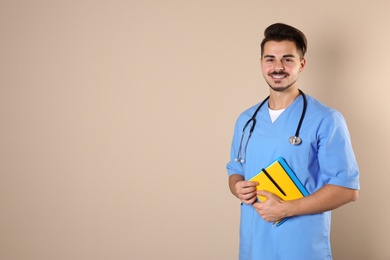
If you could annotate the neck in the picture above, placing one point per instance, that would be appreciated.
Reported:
(281, 100)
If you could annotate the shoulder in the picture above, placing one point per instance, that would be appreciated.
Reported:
(320, 110)
(248, 113)
(323, 116)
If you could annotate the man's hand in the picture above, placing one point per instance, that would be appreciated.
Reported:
(244, 190)
(272, 209)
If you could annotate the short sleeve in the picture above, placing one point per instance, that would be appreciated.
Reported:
(336, 158)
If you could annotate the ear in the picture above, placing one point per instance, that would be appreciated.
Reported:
(303, 64)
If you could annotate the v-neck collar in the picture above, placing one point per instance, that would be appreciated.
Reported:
(285, 113)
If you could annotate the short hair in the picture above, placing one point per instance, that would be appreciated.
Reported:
(283, 32)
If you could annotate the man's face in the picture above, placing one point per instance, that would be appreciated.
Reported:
(281, 64)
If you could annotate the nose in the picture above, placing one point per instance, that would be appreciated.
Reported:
(278, 66)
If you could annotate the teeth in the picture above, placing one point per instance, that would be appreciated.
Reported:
(278, 76)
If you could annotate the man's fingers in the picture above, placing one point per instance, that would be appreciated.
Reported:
(244, 184)
(249, 200)
(251, 183)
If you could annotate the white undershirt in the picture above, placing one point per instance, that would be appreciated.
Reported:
(274, 114)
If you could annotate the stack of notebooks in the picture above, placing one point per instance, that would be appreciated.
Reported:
(279, 179)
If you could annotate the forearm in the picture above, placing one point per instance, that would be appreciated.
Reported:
(327, 198)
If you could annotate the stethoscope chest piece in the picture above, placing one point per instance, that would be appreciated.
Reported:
(295, 140)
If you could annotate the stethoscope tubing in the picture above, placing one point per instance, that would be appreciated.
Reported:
(294, 140)
(303, 113)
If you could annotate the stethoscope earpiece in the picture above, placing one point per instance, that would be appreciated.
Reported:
(294, 140)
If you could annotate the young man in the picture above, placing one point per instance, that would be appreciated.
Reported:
(320, 155)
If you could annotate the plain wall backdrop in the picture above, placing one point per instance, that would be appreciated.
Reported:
(116, 120)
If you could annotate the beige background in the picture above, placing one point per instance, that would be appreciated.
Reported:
(116, 120)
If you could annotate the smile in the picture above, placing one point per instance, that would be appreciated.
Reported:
(278, 76)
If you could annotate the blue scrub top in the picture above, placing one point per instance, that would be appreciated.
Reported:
(325, 156)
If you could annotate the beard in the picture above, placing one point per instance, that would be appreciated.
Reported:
(280, 88)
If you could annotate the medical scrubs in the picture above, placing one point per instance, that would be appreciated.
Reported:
(325, 156)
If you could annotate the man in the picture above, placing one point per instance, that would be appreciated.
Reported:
(321, 157)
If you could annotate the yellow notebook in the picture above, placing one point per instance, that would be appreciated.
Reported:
(279, 179)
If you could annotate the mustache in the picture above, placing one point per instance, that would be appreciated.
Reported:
(278, 73)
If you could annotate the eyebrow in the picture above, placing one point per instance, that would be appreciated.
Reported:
(284, 56)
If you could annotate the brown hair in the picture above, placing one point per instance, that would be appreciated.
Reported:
(283, 32)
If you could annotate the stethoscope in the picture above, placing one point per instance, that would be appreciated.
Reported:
(294, 140)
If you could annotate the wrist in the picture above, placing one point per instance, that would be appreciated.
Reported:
(291, 208)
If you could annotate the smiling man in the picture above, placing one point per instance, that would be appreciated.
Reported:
(321, 156)
(281, 64)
